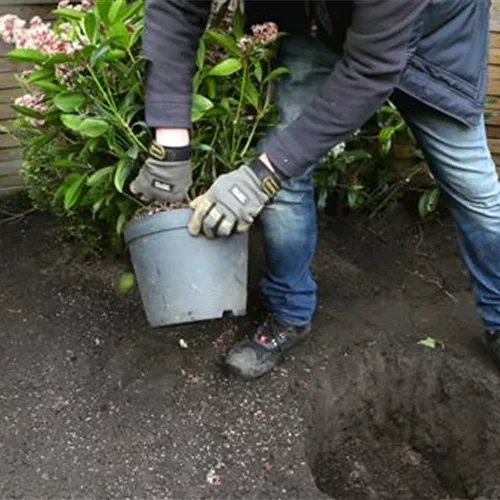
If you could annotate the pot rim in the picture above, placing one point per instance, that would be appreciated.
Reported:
(168, 220)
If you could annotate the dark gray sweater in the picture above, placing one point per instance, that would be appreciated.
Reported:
(378, 45)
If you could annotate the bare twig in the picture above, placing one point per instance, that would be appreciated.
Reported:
(14, 217)
(433, 282)
(419, 243)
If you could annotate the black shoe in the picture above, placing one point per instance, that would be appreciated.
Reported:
(260, 352)
(493, 344)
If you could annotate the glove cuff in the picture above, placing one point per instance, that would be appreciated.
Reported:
(164, 153)
(270, 183)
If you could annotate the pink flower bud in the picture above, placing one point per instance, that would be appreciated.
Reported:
(265, 33)
(36, 21)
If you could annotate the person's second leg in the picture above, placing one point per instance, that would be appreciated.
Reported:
(289, 227)
(466, 174)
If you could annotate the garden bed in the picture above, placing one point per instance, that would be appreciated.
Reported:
(96, 404)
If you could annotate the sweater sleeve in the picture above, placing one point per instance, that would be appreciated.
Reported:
(171, 36)
(376, 51)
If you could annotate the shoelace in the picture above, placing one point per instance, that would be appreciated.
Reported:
(267, 335)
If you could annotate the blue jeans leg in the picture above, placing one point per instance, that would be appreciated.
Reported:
(289, 223)
(466, 174)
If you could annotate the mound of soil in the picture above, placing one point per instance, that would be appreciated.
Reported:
(408, 425)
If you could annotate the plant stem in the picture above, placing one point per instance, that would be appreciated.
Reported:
(251, 136)
(258, 119)
(109, 100)
(236, 122)
(135, 200)
(111, 106)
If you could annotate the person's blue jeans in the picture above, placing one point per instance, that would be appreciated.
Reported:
(458, 156)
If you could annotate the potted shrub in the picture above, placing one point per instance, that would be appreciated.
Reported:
(82, 129)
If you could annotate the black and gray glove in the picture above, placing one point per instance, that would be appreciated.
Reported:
(165, 176)
(234, 201)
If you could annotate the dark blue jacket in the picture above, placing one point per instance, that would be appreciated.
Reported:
(434, 50)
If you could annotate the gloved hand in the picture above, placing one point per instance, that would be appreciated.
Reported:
(233, 201)
(165, 176)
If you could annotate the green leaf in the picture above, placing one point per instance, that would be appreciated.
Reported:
(136, 8)
(252, 95)
(93, 127)
(275, 74)
(48, 86)
(205, 148)
(109, 199)
(133, 152)
(41, 74)
(42, 140)
(102, 9)
(120, 223)
(428, 203)
(31, 113)
(200, 55)
(121, 174)
(385, 134)
(120, 35)
(106, 53)
(93, 143)
(73, 122)
(226, 67)
(200, 106)
(223, 40)
(89, 50)
(74, 192)
(68, 102)
(385, 140)
(68, 181)
(117, 10)
(431, 343)
(211, 88)
(258, 71)
(66, 164)
(433, 201)
(57, 59)
(356, 155)
(238, 23)
(97, 206)
(101, 175)
(71, 14)
(322, 198)
(98, 55)
(114, 55)
(28, 56)
(126, 282)
(352, 198)
(226, 104)
(91, 26)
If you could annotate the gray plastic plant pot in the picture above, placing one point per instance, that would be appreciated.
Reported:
(181, 278)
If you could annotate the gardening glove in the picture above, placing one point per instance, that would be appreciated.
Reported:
(165, 176)
(234, 200)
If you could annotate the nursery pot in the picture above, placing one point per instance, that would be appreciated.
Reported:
(181, 278)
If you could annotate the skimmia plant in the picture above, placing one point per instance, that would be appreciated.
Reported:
(81, 119)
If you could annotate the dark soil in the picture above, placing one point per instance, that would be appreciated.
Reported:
(407, 424)
(155, 208)
(95, 404)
